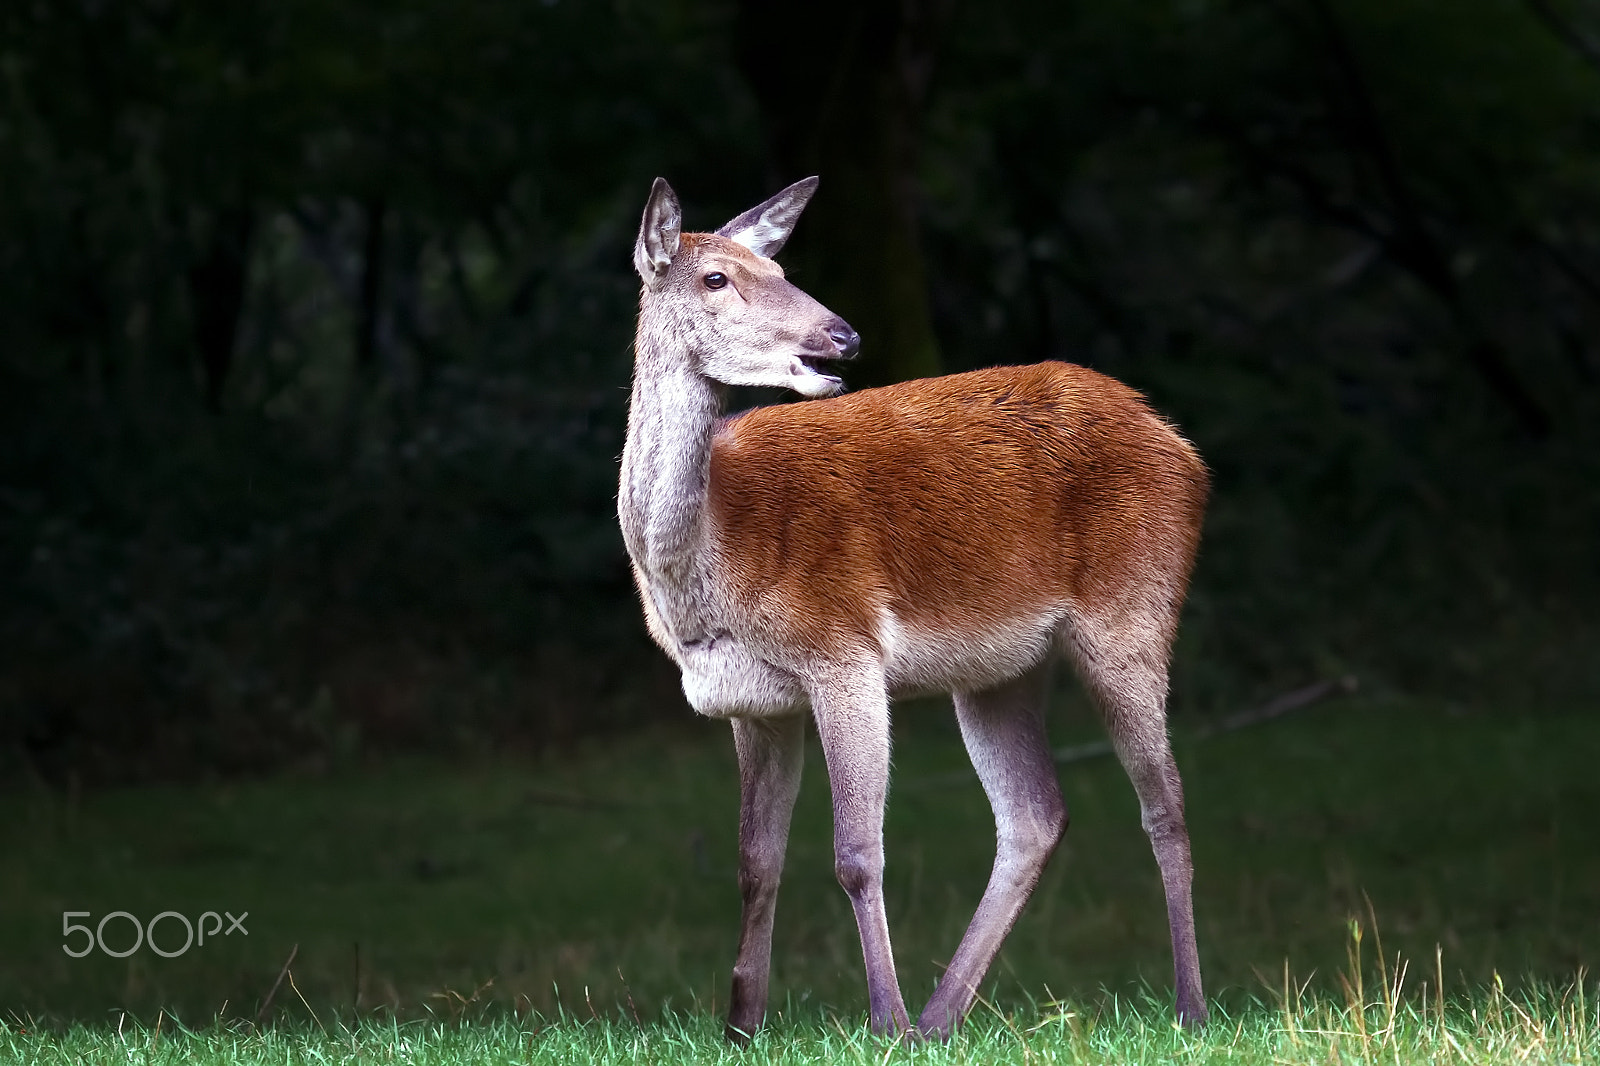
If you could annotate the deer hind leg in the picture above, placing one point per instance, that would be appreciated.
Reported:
(771, 753)
(852, 715)
(1125, 669)
(1003, 728)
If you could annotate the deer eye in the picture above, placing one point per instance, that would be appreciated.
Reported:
(714, 280)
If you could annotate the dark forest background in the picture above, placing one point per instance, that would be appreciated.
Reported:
(315, 326)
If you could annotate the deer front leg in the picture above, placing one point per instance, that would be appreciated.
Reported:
(852, 715)
(771, 752)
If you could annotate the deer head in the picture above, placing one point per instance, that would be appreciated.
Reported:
(719, 299)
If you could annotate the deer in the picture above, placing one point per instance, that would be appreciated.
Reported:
(954, 534)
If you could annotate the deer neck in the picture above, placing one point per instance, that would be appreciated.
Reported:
(666, 461)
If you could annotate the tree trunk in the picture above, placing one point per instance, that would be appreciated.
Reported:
(217, 282)
(370, 311)
(841, 89)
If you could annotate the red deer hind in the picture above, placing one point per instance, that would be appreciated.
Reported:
(952, 534)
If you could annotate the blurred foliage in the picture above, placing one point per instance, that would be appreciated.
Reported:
(317, 324)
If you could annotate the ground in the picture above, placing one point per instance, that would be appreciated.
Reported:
(591, 896)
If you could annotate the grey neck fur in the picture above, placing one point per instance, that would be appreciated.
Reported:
(667, 458)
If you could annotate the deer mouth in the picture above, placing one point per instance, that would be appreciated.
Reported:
(815, 364)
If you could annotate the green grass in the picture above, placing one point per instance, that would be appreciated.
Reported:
(1535, 1028)
(585, 908)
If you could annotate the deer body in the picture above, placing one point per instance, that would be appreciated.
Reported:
(953, 534)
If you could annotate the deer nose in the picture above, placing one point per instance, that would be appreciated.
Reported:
(847, 340)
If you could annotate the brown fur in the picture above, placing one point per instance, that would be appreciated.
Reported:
(952, 499)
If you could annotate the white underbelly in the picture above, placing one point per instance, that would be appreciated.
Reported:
(723, 678)
(920, 663)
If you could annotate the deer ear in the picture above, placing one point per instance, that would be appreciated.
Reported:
(763, 229)
(658, 234)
